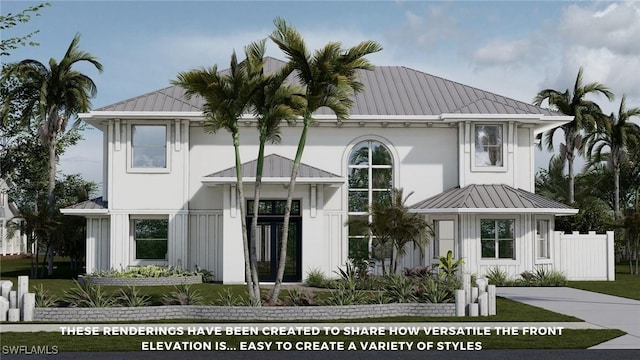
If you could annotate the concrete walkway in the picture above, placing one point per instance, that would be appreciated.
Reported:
(607, 311)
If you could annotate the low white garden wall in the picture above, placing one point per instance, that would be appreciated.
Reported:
(143, 281)
(241, 313)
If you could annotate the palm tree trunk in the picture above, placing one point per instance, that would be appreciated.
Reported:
(243, 221)
(53, 143)
(616, 184)
(51, 200)
(570, 158)
(256, 213)
(287, 211)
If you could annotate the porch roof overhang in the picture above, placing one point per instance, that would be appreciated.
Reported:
(276, 170)
(490, 199)
(92, 207)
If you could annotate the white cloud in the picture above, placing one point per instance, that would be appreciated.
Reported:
(429, 29)
(615, 28)
(499, 52)
(606, 43)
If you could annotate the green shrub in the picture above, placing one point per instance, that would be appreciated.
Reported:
(447, 266)
(86, 294)
(546, 277)
(151, 271)
(497, 277)
(347, 277)
(345, 296)
(44, 298)
(399, 289)
(435, 292)
(207, 276)
(183, 295)
(227, 298)
(419, 272)
(554, 278)
(299, 297)
(316, 278)
(131, 297)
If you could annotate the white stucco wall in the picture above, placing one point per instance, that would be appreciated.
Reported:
(428, 159)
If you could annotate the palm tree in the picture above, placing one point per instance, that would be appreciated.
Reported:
(329, 78)
(60, 92)
(615, 133)
(585, 113)
(273, 101)
(552, 182)
(393, 228)
(226, 97)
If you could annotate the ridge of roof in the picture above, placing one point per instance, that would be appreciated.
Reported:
(507, 197)
(390, 90)
(91, 204)
(269, 161)
(484, 92)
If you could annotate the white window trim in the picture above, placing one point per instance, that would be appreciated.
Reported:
(395, 179)
(474, 167)
(132, 240)
(549, 259)
(435, 258)
(140, 170)
(502, 261)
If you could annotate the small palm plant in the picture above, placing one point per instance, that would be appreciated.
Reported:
(448, 267)
(131, 297)
(87, 295)
(393, 228)
(183, 295)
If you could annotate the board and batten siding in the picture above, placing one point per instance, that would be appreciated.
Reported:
(97, 247)
(205, 241)
(470, 248)
(336, 243)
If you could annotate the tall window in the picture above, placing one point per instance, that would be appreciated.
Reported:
(445, 238)
(370, 181)
(488, 145)
(542, 239)
(148, 146)
(151, 238)
(497, 239)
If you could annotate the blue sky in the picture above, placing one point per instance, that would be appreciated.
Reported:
(513, 48)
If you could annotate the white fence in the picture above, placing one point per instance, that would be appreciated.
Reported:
(584, 256)
(13, 245)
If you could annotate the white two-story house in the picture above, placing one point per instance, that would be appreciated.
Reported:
(466, 154)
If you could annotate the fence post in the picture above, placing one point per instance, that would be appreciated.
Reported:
(460, 302)
(611, 260)
(23, 288)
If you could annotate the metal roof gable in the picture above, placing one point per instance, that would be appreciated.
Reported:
(276, 169)
(490, 199)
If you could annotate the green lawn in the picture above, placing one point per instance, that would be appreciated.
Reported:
(625, 285)
(508, 311)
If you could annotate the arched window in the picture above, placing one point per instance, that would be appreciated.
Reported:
(370, 181)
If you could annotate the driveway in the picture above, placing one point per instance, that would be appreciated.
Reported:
(604, 310)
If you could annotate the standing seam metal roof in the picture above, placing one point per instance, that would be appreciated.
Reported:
(275, 166)
(487, 197)
(93, 204)
(389, 90)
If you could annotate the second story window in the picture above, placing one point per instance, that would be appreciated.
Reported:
(370, 170)
(489, 145)
(149, 146)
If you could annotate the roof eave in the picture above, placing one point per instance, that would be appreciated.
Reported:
(84, 212)
(214, 181)
(554, 211)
